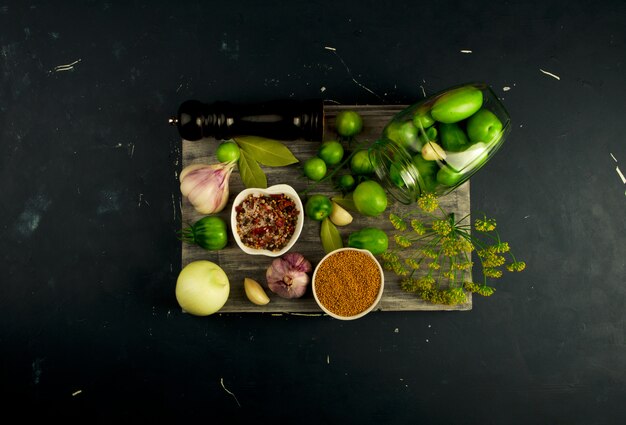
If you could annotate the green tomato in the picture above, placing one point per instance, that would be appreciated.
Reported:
(457, 104)
(360, 162)
(448, 177)
(425, 136)
(208, 233)
(227, 152)
(370, 198)
(453, 138)
(348, 123)
(331, 151)
(423, 119)
(404, 134)
(483, 126)
(427, 172)
(346, 183)
(315, 168)
(370, 238)
(318, 207)
(395, 175)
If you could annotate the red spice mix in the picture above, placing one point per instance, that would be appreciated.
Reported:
(266, 221)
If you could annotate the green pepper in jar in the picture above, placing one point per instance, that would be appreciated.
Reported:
(457, 104)
(370, 238)
(208, 233)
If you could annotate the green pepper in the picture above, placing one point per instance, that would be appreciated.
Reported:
(457, 104)
(370, 238)
(483, 126)
(208, 233)
(453, 138)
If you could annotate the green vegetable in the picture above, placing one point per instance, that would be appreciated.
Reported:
(227, 152)
(318, 207)
(453, 138)
(331, 239)
(331, 151)
(208, 233)
(427, 172)
(348, 123)
(457, 104)
(404, 134)
(370, 198)
(370, 238)
(483, 126)
(423, 119)
(314, 168)
(448, 177)
(360, 162)
(346, 183)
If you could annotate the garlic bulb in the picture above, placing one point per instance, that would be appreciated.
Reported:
(206, 186)
(287, 276)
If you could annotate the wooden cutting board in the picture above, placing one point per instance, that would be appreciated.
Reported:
(239, 265)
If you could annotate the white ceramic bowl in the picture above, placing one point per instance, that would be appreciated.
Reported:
(349, 270)
(272, 190)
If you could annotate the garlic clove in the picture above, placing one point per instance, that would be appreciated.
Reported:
(432, 151)
(339, 216)
(255, 292)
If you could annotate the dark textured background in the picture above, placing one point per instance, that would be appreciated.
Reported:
(89, 257)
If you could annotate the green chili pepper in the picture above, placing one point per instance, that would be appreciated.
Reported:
(370, 238)
(208, 233)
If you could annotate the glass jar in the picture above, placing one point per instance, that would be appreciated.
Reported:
(437, 144)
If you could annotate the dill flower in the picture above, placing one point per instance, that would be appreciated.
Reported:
(428, 202)
(429, 253)
(485, 225)
(516, 266)
(397, 222)
(402, 241)
(491, 272)
(442, 227)
(436, 264)
(412, 263)
(486, 291)
(418, 227)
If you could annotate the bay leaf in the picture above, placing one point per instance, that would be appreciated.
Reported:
(266, 151)
(251, 173)
(331, 239)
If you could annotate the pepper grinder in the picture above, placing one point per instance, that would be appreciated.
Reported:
(276, 119)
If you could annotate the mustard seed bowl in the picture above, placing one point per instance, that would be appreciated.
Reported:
(348, 283)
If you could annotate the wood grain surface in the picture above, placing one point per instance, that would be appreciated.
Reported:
(239, 265)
